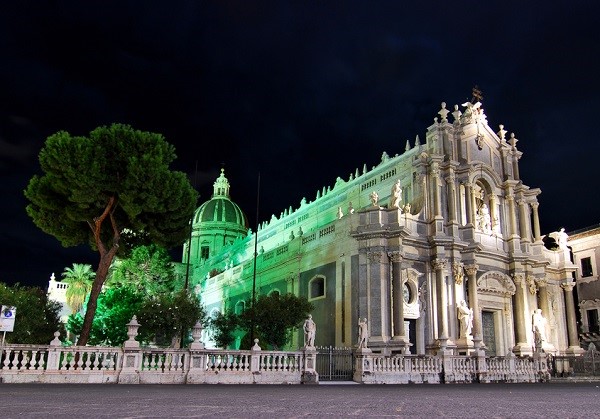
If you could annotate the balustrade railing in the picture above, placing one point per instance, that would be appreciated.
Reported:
(132, 364)
(55, 363)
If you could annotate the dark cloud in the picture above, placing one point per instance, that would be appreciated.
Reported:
(300, 91)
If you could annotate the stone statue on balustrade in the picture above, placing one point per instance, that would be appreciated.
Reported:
(310, 330)
(560, 237)
(363, 333)
(374, 198)
(396, 195)
(465, 317)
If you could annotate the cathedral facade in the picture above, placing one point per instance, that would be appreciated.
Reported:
(438, 247)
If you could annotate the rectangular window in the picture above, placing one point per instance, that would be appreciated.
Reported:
(592, 318)
(586, 267)
(204, 252)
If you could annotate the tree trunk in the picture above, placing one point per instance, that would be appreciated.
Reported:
(101, 274)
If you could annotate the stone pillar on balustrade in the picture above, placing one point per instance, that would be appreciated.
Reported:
(309, 366)
(196, 361)
(132, 355)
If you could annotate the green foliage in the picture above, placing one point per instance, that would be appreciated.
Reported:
(148, 268)
(164, 316)
(223, 327)
(275, 316)
(37, 317)
(116, 307)
(81, 174)
(79, 278)
(94, 188)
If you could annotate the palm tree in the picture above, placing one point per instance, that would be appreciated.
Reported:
(79, 278)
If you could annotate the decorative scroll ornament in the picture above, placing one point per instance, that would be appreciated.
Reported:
(458, 272)
(531, 284)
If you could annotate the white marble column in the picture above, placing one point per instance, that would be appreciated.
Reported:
(439, 265)
(572, 331)
(437, 199)
(471, 271)
(450, 181)
(524, 221)
(399, 333)
(536, 222)
(512, 216)
(469, 202)
(522, 346)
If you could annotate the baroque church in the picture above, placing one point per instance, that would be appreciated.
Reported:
(438, 247)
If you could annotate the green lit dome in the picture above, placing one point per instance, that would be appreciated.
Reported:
(220, 210)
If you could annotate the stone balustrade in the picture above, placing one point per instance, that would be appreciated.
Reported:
(89, 364)
(134, 365)
(447, 368)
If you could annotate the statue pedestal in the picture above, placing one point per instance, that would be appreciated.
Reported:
(401, 344)
(465, 345)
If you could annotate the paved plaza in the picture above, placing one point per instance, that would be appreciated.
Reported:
(553, 400)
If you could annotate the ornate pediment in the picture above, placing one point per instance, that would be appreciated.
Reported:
(495, 282)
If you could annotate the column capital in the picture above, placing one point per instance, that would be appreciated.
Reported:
(450, 179)
(439, 264)
(458, 272)
(374, 257)
(510, 197)
(471, 270)
(534, 205)
(395, 256)
(541, 282)
(568, 286)
(518, 278)
(521, 202)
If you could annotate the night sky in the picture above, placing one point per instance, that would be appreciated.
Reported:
(300, 91)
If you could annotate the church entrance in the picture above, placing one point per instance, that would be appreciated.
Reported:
(489, 332)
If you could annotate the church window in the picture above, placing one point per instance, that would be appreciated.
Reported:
(240, 306)
(586, 267)
(592, 318)
(204, 252)
(316, 287)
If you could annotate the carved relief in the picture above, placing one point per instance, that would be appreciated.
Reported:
(423, 298)
(374, 257)
(495, 282)
(531, 284)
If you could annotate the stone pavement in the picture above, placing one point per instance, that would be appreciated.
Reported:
(551, 400)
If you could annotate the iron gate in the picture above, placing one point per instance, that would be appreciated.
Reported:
(335, 364)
